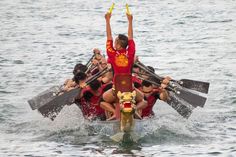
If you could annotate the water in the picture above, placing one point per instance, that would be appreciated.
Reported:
(41, 41)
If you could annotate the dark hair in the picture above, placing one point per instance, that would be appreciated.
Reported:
(150, 68)
(123, 40)
(95, 85)
(137, 85)
(79, 67)
(135, 66)
(146, 83)
(79, 76)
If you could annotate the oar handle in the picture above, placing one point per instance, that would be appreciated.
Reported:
(111, 8)
(158, 84)
(89, 61)
(127, 9)
(91, 68)
(142, 66)
(105, 70)
(176, 81)
(172, 82)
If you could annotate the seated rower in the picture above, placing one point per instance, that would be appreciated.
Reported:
(70, 83)
(97, 60)
(80, 79)
(89, 101)
(97, 56)
(137, 82)
(107, 77)
(121, 57)
(151, 95)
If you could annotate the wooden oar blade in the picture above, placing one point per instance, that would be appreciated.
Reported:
(44, 97)
(52, 108)
(182, 107)
(192, 98)
(199, 86)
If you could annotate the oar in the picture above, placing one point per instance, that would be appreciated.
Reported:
(183, 93)
(91, 68)
(127, 9)
(89, 61)
(111, 8)
(199, 86)
(182, 107)
(49, 94)
(52, 108)
(44, 97)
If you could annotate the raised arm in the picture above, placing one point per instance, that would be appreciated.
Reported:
(130, 26)
(108, 26)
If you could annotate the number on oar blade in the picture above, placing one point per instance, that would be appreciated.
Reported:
(52, 108)
(182, 107)
(195, 85)
(192, 98)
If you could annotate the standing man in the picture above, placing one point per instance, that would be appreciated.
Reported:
(121, 58)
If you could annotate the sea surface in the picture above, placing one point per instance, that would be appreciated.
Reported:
(42, 40)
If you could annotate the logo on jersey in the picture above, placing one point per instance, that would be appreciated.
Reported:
(121, 60)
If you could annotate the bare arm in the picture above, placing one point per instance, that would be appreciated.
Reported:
(164, 95)
(108, 26)
(130, 26)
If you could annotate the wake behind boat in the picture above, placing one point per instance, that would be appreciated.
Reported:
(109, 128)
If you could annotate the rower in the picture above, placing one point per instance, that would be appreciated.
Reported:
(97, 56)
(70, 83)
(89, 102)
(121, 59)
(135, 71)
(151, 94)
(96, 61)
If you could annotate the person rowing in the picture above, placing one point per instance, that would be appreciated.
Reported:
(89, 101)
(121, 58)
(69, 84)
(151, 94)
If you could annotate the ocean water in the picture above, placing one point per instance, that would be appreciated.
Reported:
(41, 41)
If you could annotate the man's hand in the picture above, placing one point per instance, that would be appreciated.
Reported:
(108, 16)
(129, 17)
(95, 62)
(166, 80)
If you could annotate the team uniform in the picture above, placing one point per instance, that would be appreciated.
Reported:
(121, 60)
(151, 100)
(89, 103)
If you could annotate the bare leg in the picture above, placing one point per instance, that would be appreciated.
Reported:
(107, 106)
(109, 99)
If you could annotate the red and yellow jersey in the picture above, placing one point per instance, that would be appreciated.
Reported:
(122, 60)
(151, 100)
